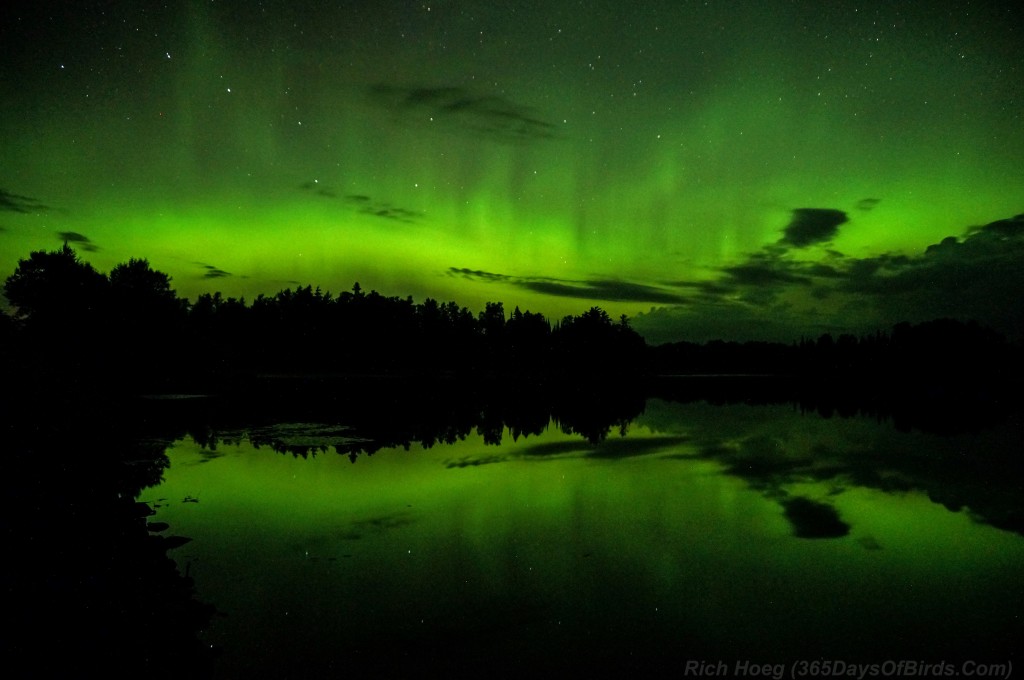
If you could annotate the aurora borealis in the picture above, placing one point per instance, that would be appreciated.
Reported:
(646, 548)
(712, 169)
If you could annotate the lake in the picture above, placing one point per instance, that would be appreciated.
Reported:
(682, 540)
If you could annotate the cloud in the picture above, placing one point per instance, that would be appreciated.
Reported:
(758, 272)
(213, 272)
(374, 526)
(620, 449)
(457, 109)
(478, 275)
(468, 461)
(81, 239)
(989, 255)
(1000, 231)
(977, 277)
(770, 463)
(608, 449)
(760, 279)
(20, 204)
(812, 225)
(319, 189)
(771, 295)
(389, 212)
(812, 519)
(780, 456)
(591, 289)
(609, 290)
(707, 290)
(780, 293)
(364, 204)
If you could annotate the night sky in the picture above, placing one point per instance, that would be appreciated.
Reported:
(748, 170)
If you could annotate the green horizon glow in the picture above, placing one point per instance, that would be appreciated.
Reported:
(293, 147)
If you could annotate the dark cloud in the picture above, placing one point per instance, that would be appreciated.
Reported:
(320, 189)
(764, 461)
(757, 281)
(468, 461)
(364, 204)
(867, 204)
(742, 304)
(608, 449)
(706, 290)
(622, 448)
(478, 275)
(612, 291)
(1001, 231)
(213, 272)
(591, 289)
(778, 454)
(811, 519)
(457, 109)
(823, 270)
(989, 255)
(20, 204)
(977, 277)
(81, 240)
(969, 277)
(556, 288)
(812, 225)
(763, 273)
(390, 212)
(572, 447)
(770, 295)
(770, 464)
(374, 526)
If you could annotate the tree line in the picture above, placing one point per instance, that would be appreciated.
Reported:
(939, 349)
(130, 329)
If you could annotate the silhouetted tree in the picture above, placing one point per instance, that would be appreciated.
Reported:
(492, 320)
(59, 302)
(592, 344)
(146, 322)
(219, 335)
(491, 325)
(528, 342)
(137, 282)
(55, 288)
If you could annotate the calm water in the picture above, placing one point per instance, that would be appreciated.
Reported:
(699, 533)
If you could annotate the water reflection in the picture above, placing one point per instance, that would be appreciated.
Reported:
(774, 451)
(681, 531)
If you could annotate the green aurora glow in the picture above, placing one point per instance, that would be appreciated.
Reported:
(645, 158)
(673, 534)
